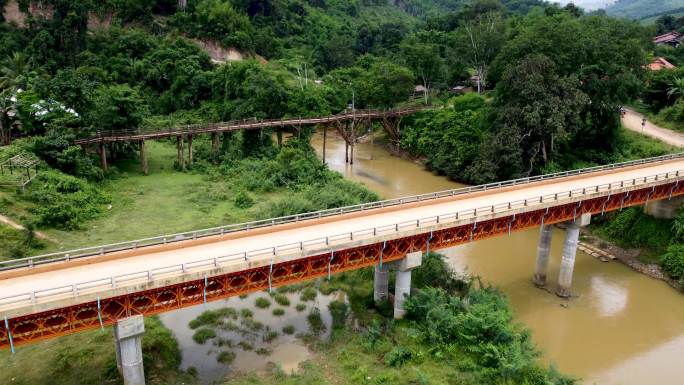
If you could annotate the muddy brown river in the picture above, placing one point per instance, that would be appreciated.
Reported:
(621, 328)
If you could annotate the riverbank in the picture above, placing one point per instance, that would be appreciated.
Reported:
(630, 257)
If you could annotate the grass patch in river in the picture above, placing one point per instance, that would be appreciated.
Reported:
(262, 303)
(203, 335)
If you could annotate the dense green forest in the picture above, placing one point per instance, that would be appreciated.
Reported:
(552, 80)
(63, 80)
(551, 85)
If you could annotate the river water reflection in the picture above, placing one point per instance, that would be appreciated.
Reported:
(247, 337)
(623, 328)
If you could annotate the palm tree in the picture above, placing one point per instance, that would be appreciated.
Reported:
(676, 88)
(15, 75)
(15, 72)
(8, 112)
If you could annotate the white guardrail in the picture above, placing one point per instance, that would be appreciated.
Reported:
(115, 281)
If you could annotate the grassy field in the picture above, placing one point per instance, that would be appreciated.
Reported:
(167, 201)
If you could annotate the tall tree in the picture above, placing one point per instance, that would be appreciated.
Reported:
(535, 108)
(424, 59)
(479, 40)
(15, 76)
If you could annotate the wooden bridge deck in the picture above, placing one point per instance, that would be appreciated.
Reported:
(135, 135)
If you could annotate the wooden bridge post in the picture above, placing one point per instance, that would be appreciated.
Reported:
(143, 158)
(279, 135)
(351, 153)
(189, 148)
(325, 134)
(181, 157)
(227, 135)
(214, 147)
(103, 156)
(346, 151)
(352, 140)
(370, 132)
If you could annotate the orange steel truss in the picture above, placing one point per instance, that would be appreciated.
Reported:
(35, 327)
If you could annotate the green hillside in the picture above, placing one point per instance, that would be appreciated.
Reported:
(641, 9)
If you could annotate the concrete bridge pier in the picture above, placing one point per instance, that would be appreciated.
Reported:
(128, 340)
(381, 282)
(665, 208)
(402, 288)
(543, 251)
(572, 232)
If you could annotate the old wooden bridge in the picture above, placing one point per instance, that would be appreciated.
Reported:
(345, 123)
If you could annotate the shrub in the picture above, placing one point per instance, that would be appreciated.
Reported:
(673, 262)
(246, 346)
(56, 150)
(308, 294)
(339, 311)
(63, 201)
(282, 300)
(435, 272)
(246, 313)
(220, 342)
(397, 356)
(226, 357)
(203, 335)
(242, 200)
(252, 324)
(270, 336)
(674, 113)
(288, 329)
(262, 303)
(300, 307)
(278, 312)
(482, 324)
(263, 351)
(213, 317)
(633, 228)
(160, 348)
(315, 321)
(471, 101)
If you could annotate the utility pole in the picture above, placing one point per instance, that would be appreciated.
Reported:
(353, 133)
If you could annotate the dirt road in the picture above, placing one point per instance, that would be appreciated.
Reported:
(632, 121)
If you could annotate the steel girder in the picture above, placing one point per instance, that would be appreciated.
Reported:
(53, 323)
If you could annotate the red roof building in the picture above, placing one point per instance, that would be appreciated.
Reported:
(673, 38)
(660, 63)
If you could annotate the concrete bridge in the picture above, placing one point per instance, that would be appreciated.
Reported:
(344, 123)
(46, 296)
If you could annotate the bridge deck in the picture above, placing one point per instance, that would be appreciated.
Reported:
(145, 134)
(188, 251)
